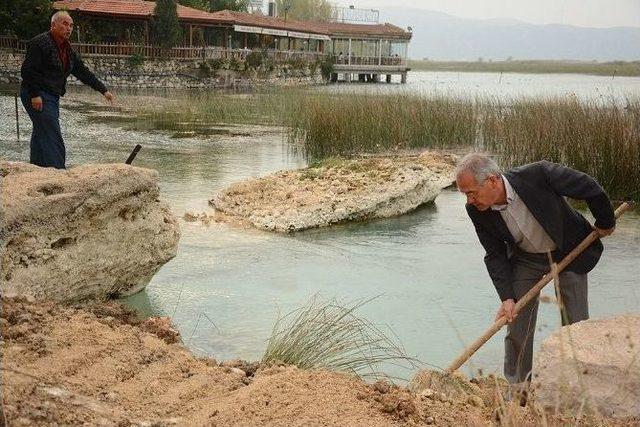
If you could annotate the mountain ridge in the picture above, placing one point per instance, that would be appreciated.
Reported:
(440, 36)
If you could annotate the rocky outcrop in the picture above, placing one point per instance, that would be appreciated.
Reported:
(337, 191)
(592, 365)
(93, 231)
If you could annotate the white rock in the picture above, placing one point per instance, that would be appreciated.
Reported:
(89, 232)
(375, 187)
(594, 364)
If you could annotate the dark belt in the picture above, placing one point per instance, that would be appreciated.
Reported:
(540, 258)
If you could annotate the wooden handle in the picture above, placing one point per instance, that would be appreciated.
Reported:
(533, 292)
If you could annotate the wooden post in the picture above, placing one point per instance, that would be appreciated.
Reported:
(17, 121)
(146, 32)
(190, 35)
(349, 51)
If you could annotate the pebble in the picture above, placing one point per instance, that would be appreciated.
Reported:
(428, 393)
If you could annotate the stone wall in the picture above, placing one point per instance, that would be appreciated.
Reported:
(126, 72)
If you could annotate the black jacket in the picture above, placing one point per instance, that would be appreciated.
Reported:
(542, 187)
(42, 68)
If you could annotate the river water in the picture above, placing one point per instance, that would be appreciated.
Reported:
(227, 285)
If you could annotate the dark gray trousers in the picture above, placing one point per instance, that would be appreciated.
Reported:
(47, 146)
(518, 344)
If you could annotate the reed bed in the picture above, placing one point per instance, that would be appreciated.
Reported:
(346, 124)
(597, 137)
(193, 112)
(601, 139)
(328, 335)
(612, 69)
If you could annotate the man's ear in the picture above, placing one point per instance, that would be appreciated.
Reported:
(495, 180)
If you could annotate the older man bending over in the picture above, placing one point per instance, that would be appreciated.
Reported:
(520, 217)
(49, 61)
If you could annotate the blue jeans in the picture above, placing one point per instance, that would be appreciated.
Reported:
(47, 146)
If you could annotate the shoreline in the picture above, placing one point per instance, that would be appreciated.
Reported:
(98, 364)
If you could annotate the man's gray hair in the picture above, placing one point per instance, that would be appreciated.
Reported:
(479, 165)
(59, 14)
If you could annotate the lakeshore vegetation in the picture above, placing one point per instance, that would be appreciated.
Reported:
(599, 137)
(613, 69)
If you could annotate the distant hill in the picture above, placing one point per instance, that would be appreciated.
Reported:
(439, 36)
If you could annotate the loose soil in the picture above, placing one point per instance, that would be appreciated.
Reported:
(100, 365)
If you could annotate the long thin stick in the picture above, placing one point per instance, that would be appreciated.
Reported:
(15, 97)
(533, 293)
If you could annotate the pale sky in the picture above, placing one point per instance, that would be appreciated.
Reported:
(583, 13)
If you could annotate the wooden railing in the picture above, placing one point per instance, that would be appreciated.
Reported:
(13, 43)
(369, 60)
(123, 50)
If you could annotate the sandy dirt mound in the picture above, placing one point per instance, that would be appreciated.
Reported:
(100, 365)
(89, 232)
(337, 191)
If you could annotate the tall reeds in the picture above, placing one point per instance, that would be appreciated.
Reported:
(596, 137)
(346, 124)
(600, 139)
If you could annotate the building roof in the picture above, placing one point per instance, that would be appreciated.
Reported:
(327, 28)
(242, 18)
(365, 30)
(131, 9)
(143, 9)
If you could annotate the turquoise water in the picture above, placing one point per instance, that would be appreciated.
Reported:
(227, 285)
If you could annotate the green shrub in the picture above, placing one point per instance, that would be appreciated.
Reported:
(326, 68)
(204, 70)
(254, 59)
(135, 61)
(297, 63)
(215, 64)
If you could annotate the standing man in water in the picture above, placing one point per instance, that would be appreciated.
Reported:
(521, 216)
(49, 61)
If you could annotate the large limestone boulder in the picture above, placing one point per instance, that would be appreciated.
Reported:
(93, 231)
(337, 191)
(592, 365)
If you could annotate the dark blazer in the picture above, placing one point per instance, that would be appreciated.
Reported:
(42, 69)
(542, 187)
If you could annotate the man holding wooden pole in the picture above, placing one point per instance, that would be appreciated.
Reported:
(521, 216)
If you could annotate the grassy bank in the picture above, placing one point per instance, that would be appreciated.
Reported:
(602, 140)
(616, 68)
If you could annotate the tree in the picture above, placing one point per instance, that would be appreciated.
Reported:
(167, 31)
(196, 4)
(25, 18)
(305, 10)
(237, 5)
